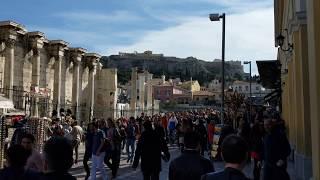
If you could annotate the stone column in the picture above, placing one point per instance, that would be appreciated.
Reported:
(141, 94)
(91, 59)
(36, 43)
(8, 36)
(76, 56)
(133, 98)
(149, 91)
(57, 83)
(57, 50)
(92, 73)
(9, 54)
(36, 79)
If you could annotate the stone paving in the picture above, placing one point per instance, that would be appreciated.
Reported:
(127, 172)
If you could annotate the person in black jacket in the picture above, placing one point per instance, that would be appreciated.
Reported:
(58, 158)
(276, 151)
(234, 152)
(256, 142)
(17, 158)
(226, 130)
(149, 149)
(190, 165)
(88, 149)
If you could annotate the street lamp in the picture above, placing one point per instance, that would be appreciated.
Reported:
(249, 62)
(217, 17)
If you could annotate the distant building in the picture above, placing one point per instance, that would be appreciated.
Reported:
(243, 87)
(204, 97)
(107, 93)
(215, 85)
(140, 90)
(190, 85)
(135, 55)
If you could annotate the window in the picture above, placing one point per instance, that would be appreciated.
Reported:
(247, 88)
(257, 88)
(138, 97)
(168, 93)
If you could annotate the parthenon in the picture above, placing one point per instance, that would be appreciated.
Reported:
(41, 75)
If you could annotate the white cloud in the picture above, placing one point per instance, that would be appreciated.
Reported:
(88, 16)
(249, 36)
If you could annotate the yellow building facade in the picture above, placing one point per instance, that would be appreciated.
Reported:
(298, 21)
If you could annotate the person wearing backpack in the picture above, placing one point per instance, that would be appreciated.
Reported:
(122, 129)
(172, 123)
(98, 152)
(130, 139)
(114, 150)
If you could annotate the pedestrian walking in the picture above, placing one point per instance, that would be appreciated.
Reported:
(98, 153)
(276, 151)
(17, 157)
(202, 132)
(149, 149)
(114, 152)
(58, 159)
(122, 129)
(131, 139)
(226, 130)
(172, 123)
(235, 153)
(88, 148)
(256, 138)
(76, 135)
(211, 131)
(190, 165)
(35, 160)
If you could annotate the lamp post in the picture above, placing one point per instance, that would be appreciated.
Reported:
(217, 17)
(250, 80)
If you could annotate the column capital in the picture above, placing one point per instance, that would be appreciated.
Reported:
(57, 48)
(10, 43)
(76, 54)
(10, 29)
(91, 60)
(36, 41)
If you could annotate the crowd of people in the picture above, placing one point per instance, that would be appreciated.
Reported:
(145, 141)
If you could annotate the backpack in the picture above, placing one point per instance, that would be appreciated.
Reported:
(116, 136)
(122, 132)
(130, 130)
(172, 125)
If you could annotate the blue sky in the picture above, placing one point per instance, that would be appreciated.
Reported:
(173, 27)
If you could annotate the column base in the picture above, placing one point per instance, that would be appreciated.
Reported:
(302, 167)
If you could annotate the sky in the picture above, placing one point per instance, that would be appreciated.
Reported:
(178, 28)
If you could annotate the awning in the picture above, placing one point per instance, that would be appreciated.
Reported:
(5, 103)
(274, 95)
(270, 72)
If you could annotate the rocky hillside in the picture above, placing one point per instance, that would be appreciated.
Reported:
(172, 67)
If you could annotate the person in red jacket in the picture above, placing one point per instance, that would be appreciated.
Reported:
(211, 130)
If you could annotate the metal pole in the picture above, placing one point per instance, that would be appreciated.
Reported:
(250, 111)
(223, 53)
